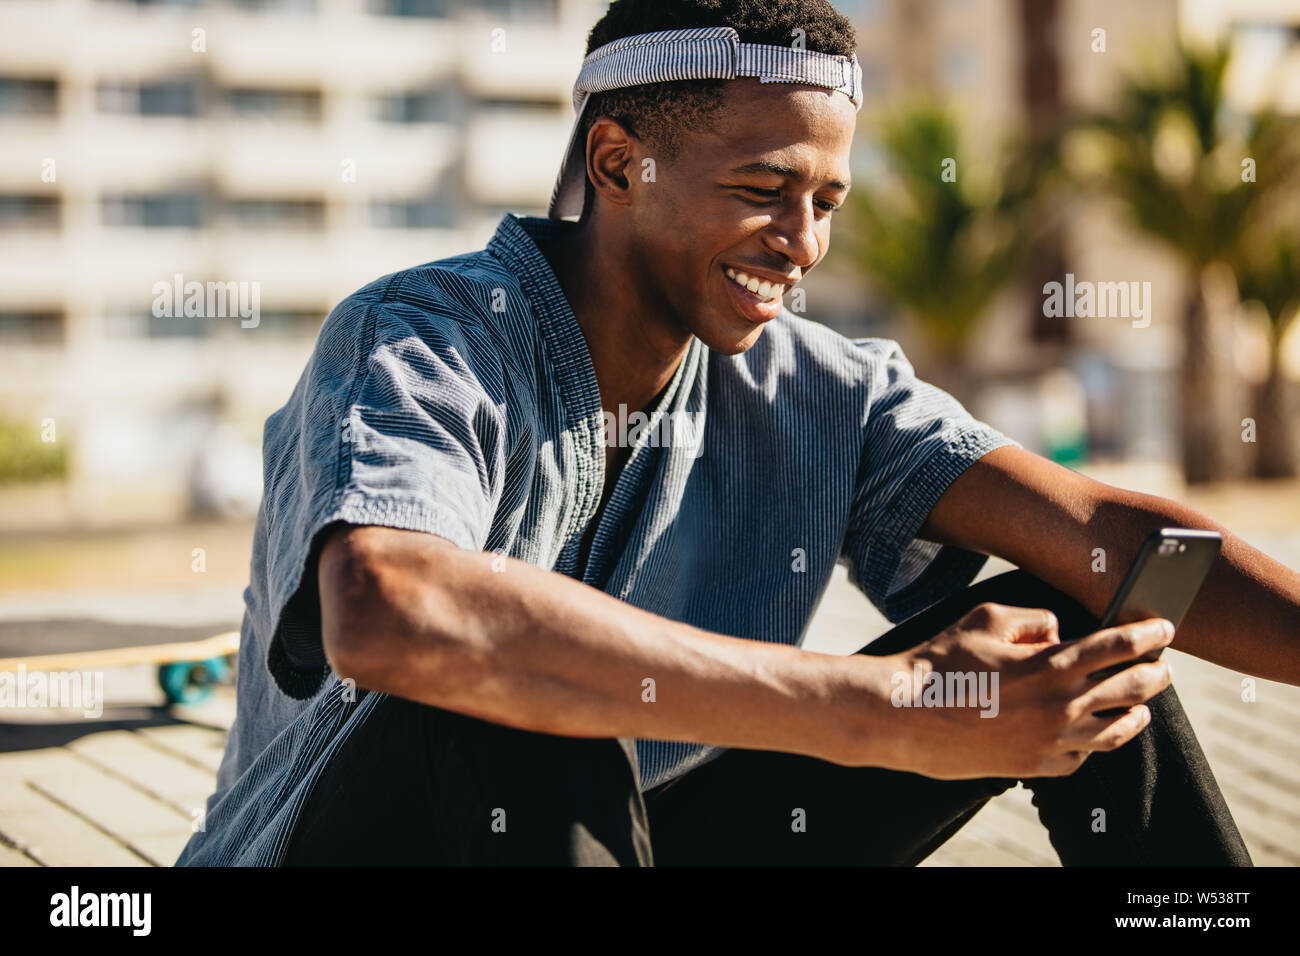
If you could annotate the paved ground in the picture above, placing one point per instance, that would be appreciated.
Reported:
(126, 788)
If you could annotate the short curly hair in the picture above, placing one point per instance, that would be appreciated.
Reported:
(660, 112)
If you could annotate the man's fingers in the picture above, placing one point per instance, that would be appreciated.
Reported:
(1117, 645)
(1018, 625)
(1129, 687)
(1107, 733)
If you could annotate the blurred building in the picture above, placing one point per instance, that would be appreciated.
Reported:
(306, 147)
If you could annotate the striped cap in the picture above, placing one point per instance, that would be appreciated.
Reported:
(705, 53)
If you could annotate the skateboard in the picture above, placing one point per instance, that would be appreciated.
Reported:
(187, 670)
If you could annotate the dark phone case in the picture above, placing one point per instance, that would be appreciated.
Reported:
(1161, 583)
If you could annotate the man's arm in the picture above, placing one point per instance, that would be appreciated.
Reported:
(1048, 519)
(413, 615)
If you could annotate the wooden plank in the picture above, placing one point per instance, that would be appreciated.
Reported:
(960, 850)
(11, 857)
(24, 764)
(1026, 837)
(1225, 730)
(994, 851)
(129, 756)
(1261, 825)
(130, 816)
(202, 746)
(55, 836)
(1252, 776)
(163, 848)
(217, 712)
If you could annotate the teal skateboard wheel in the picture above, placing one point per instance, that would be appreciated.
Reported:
(191, 682)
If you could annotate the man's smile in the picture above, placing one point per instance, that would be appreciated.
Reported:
(756, 297)
(764, 289)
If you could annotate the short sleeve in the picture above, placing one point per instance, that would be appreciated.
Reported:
(393, 423)
(916, 440)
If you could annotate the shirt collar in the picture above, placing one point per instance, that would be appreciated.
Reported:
(514, 246)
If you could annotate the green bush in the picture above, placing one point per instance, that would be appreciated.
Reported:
(24, 457)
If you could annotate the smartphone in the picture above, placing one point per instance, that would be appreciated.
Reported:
(1163, 581)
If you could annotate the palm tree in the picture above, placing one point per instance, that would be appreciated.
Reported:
(940, 248)
(1041, 101)
(1271, 277)
(1195, 178)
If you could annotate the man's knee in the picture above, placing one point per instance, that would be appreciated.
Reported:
(415, 783)
(1016, 588)
(1021, 589)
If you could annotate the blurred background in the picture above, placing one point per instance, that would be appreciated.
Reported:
(1147, 150)
(309, 146)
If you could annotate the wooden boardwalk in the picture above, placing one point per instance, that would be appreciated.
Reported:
(127, 796)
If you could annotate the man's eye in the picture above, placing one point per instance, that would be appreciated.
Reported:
(769, 195)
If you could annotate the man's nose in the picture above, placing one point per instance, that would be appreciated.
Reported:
(792, 233)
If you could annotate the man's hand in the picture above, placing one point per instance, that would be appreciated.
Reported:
(1046, 721)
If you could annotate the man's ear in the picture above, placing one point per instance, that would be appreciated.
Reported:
(611, 149)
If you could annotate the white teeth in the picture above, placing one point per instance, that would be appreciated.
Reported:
(760, 287)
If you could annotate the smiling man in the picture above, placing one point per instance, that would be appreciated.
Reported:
(479, 632)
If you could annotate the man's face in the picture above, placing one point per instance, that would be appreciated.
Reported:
(749, 200)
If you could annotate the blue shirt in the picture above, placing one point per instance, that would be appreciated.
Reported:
(458, 398)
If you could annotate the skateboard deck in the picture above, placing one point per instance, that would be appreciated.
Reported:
(187, 670)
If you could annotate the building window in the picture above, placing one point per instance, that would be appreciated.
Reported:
(418, 106)
(299, 323)
(180, 210)
(301, 105)
(502, 104)
(516, 11)
(21, 96)
(276, 6)
(29, 212)
(27, 327)
(159, 3)
(430, 212)
(295, 322)
(439, 9)
(156, 98)
(277, 213)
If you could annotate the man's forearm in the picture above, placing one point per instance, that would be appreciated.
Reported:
(501, 640)
(1247, 613)
(1050, 521)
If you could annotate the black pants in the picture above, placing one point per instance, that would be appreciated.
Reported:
(415, 785)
